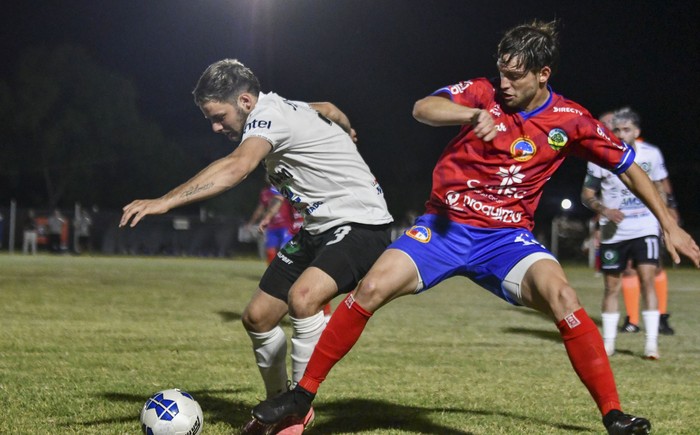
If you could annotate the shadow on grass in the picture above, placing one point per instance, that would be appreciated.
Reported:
(538, 333)
(358, 415)
(232, 316)
(352, 415)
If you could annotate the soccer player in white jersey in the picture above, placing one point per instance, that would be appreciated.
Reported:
(309, 153)
(629, 232)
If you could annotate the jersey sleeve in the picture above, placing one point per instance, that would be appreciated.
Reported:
(659, 171)
(267, 122)
(471, 93)
(596, 144)
(594, 176)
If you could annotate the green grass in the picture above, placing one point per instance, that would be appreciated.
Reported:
(85, 340)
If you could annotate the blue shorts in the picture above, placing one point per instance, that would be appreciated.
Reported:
(441, 248)
(277, 237)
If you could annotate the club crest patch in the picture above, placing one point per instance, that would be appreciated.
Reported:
(420, 233)
(523, 149)
(557, 138)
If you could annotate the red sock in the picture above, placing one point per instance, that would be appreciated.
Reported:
(587, 354)
(342, 332)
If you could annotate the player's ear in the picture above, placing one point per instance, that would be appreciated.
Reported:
(544, 75)
(245, 101)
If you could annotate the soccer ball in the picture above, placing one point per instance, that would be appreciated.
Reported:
(171, 412)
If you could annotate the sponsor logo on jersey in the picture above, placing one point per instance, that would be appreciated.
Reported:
(420, 233)
(557, 138)
(496, 213)
(452, 199)
(510, 176)
(496, 110)
(460, 87)
(257, 123)
(567, 110)
(501, 127)
(313, 207)
(602, 134)
(523, 149)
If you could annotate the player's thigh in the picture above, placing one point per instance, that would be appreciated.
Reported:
(393, 275)
(612, 281)
(263, 312)
(347, 252)
(310, 292)
(647, 276)
(546, 289)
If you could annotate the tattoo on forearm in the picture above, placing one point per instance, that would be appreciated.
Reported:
(196, 189)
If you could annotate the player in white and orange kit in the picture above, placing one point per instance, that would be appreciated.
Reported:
(515, 132)
(629, 232)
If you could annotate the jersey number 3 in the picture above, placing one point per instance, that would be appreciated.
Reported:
(340, 234)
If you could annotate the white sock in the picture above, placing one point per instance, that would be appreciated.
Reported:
(651, 328)
(610, 321)
(304, 338)
(270, 350)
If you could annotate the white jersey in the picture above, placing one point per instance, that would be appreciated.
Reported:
(315, 164)
(639, 221)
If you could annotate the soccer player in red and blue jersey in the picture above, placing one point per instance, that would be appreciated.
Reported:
(515, 132)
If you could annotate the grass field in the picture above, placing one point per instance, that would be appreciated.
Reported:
(85, 340)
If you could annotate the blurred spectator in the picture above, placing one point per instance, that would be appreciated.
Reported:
(81, 225)
(55, 224)
(29, 233)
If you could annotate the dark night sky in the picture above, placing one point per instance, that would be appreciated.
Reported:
(374, 58)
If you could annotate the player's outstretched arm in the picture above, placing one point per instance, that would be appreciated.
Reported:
(677, 240)
(216, 178)
(439, 111)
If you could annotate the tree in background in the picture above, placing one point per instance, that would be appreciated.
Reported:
(71, 131)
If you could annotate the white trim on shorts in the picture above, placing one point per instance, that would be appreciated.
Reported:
(420, 284)
(511, 283)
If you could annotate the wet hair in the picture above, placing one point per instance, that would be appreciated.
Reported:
(627, 114)
(224, 81)
(533, 45)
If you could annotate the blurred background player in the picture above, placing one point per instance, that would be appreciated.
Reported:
(274, 218)
(629, 233)
(630, 280)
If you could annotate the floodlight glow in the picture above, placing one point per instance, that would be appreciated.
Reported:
(566, 204)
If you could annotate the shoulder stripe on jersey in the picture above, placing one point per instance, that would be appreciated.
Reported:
(441, 91)
(626, 161)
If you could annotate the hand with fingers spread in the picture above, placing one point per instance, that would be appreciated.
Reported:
(137, 210)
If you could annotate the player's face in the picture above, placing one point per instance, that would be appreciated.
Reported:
(520, 89)
(626, 131)
(225, 118)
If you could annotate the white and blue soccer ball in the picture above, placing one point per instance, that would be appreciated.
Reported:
(171, 412)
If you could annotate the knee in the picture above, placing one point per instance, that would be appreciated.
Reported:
(370, 295)
(255, 319)
(304, 302)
